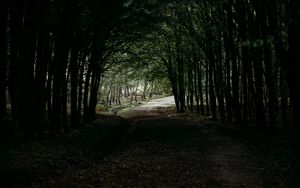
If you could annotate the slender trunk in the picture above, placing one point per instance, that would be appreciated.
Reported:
(15, 25)
(172, 76)
(108, 102)
(200, 85)
(228, 79)
(245, 73)
(93, 96)
(49, 85)
(259, 101)
(61, 53)
(146, 83)
(119, 96)
(3, 55)
(80, 88)
(74, 86)
(211, 73)
(206, 89)
(94, 93)
(258, 68)
(26, 96)
(271, 80)
(284, 97)
(190, 86)
(212, 97)
(196, 85)
(220, 85)
(43, 59)
(181, 92)
(64, 98)
(86, 94)
(135, 92)
(292, 66)
(243, 31)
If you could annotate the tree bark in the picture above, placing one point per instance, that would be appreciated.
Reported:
(292, 65)
(74, 70)
(43, 60)
(61, 53)
(3, 55)
(26, 97)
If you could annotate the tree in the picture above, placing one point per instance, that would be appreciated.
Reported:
(3, 56)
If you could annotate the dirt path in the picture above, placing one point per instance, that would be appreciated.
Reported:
(151, 108)
(162, 102)
(165, 150)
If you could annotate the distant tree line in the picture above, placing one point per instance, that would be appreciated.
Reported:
(136, 75)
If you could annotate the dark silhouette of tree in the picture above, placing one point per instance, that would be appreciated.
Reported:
(233, 60)
(3, 56)
(292, 64)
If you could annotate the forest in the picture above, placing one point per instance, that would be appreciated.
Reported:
(233, 61)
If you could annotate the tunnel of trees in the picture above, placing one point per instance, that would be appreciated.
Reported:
(234, 60)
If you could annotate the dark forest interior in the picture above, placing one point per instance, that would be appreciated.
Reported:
(74, 74)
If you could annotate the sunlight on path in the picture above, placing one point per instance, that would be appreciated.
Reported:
(150, 108)
(162, 102)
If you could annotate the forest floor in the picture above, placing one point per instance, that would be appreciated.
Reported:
(153, 148)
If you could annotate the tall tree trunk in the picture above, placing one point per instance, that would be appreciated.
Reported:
(258, 68)
(3, 55)
(80, 88)
(173, 79)
(228, 78)
(292, 66)
(61, 53)
(86, 95)
(206, 88)
(15, 25)
(180, 79)
(220, 85)
(284, 97)
(49, 85)
(259, 101)
(94, 93)
(26, 97)
(271, 79)
(200, 87)
(211, 69)
(233, 52)
(95, 80)
(64, 98)
(196, 84)
(190, 86)
(43, 60)
(74, 70)
(212, 96)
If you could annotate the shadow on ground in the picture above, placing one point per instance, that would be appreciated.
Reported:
(151, 151)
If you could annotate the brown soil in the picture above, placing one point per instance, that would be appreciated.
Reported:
(154, 149)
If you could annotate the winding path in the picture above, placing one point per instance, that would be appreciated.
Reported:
(150, 149)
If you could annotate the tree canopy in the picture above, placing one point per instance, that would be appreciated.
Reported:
(231, 60)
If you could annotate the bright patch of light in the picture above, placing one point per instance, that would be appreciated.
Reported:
(128, 3)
